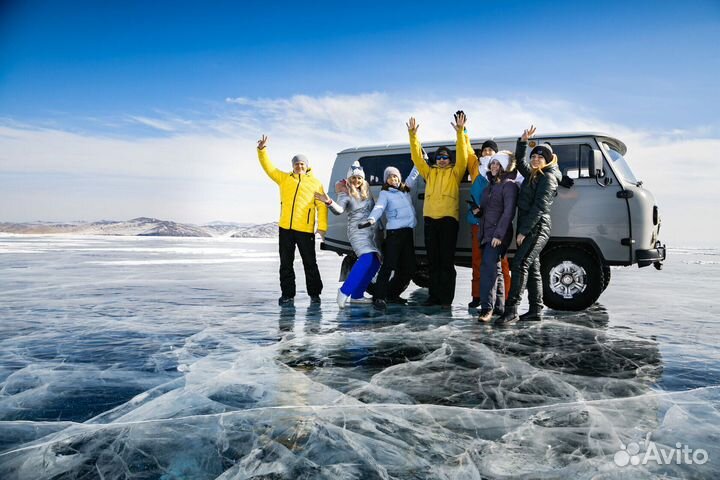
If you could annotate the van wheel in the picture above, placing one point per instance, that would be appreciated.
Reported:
(606, 276)
(572, 278)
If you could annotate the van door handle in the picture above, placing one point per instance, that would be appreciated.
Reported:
(421, 196)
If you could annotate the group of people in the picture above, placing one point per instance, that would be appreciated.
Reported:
(503, 183)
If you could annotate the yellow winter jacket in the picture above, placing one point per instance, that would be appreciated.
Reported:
(442, 185)
(298, 205)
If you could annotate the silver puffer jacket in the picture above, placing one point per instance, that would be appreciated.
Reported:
(361, 240)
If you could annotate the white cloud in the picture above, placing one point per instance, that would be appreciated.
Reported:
(206, 166)
(153, 123)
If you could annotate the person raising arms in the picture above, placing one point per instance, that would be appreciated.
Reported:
(298, 211)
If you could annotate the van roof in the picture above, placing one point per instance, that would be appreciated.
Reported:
(619, 145)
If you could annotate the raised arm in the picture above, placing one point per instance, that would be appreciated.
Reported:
(521, 149)
(461, 150)
(412, 178)
(473, 162)
(275, 174)
(416, 148)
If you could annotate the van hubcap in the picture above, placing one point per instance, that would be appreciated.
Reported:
(568, 279)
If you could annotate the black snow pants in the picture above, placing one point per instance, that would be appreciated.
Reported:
(398, 257)
(306, 245)
(440, 242)
(525, 267)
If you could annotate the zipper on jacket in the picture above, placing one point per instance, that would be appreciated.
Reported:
(308, 217)
(292, 209)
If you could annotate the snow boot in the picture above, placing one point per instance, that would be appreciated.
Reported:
(532, 315)
(510, 316)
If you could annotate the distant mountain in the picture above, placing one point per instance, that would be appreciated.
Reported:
(264, 230)
(145, 226)
(224, 229)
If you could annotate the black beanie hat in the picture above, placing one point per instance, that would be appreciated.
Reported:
(545, 150)
(491, 144)
(440, 150)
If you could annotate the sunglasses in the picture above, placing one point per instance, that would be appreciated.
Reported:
(442, 157)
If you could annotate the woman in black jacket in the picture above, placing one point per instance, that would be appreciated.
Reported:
(537, 193)
(495, 230)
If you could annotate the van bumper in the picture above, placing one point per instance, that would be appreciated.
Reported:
(654, 256)
(336, 246)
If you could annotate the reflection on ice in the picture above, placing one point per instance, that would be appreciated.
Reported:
(178, 371)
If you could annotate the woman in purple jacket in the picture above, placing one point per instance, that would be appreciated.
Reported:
(496, 231)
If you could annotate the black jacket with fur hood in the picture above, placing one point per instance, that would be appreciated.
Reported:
(536, 194)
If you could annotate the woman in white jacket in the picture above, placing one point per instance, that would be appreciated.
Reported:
(395, 204)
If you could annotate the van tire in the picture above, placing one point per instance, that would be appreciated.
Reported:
(574, 264)
(606, 276)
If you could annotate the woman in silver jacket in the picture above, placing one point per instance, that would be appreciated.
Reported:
(354, 198)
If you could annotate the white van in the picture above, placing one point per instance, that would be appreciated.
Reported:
(603, 217)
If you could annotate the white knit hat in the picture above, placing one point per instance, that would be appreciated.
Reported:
(502, 158)
(355, 170)
(391, 171)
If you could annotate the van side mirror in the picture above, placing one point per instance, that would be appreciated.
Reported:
(597, 168)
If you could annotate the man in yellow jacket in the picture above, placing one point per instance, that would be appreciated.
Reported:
(298, 208)
(441, 209)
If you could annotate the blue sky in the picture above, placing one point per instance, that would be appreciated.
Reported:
(650, 62)
(90, 80)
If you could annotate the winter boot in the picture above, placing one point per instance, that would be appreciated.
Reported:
(485, 315)
(532, 315)
(510, 316)
(286, 301)
(341, 299)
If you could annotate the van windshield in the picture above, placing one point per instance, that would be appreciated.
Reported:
(620, 165)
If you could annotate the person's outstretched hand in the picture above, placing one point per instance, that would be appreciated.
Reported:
(460, 121)
(323, 197)
(527, 134)
(262, 142)
(412, 125)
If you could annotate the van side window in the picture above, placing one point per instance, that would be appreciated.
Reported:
(574, 160)
(375, 166)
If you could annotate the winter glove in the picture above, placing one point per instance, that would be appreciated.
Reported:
(366, 224)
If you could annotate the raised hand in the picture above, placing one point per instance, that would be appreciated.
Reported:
(412, 125)
(460, 121)
(323, 197)
(527, 134)
(341, 186)
(262, 142)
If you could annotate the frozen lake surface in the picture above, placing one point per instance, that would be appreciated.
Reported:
(168, 358)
